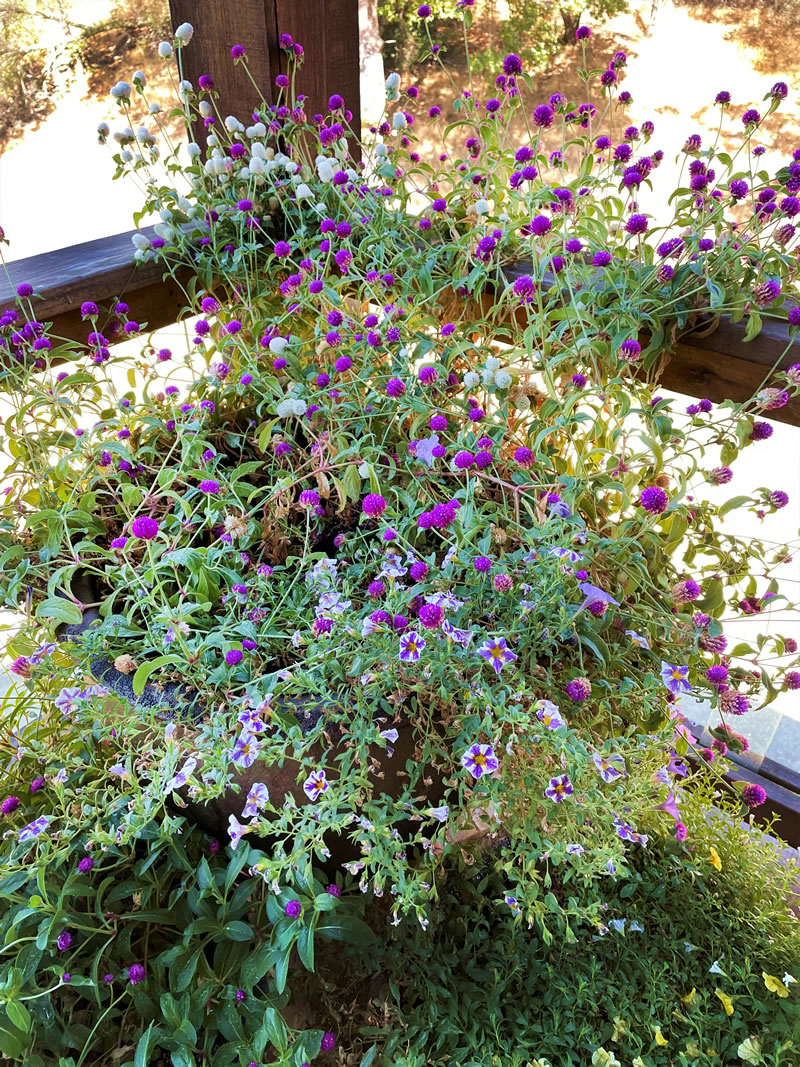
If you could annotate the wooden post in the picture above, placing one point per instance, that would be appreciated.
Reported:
(327, 30)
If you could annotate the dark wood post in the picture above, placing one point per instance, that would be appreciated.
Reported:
(327, 30)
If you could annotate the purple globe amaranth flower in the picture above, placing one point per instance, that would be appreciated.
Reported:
(376, 588)
(524, 287)
(754, 795)
(8, 805)
(654, 500)
(64, 940)
(418, 571)
(792, 679)
(431, 616)
(601, 258)
(739, 189)
(793, 316)
(85, 864)
(721, 475)
(778, 498)
(766, 293)
(333, 890)
(503, 582)
(463, 460)
(483, 564)
(294, 909)
(39, 783)
(144, 527)
(583, 33)
(630, 350)
(209, 485)
(717, 674)
(428, 375)
(771, 399)
(751, 117)
(716, 645)
(732, 702)
(780, 90)
(233, 656)
(395, 387)
(136, 973)
(523, 456)
(512, 64)
(761, 431)
(543, 116)
(681, 833)
(309, 498)
(636, 224)
(579, 689)
(328, 1042)
(686, 592)
(373, 505)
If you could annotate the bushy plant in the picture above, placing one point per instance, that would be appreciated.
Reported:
(406, 555)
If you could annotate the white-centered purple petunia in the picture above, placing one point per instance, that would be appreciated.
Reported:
(236, 830)
(497, 652)
(257, 798)
(480, 760)
(315, 785)
(676, 679)
(33, 829)
(559, 788)
(181, 777)
(637, 639)
(411, 646)
(245, 752)
(547, 714)
(610, 768)
(460, 637)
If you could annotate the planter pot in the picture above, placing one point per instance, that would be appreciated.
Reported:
(180, 702)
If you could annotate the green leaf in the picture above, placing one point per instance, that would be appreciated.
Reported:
(368, 1058)
(734, 502)
(753, 326)
(56, 607)
(238, 931)
(142, 1056)
(183, 973)
(18, 1015)
(346, 928)
(146, 669)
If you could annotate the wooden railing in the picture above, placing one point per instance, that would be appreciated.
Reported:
(711, 361)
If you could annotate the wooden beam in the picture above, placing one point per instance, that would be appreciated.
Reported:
(327, 30)
(103, 271)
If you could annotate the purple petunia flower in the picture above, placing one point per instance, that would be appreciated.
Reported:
(675, 678)
(480, 760)
(411, 646)
(33, 829)
(245, 752)
(497, 652)
(315, 785)
(559, 788)
(547, 714)
(609, 767)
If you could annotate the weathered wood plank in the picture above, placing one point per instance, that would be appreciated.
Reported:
(718, 365)
(218, 26)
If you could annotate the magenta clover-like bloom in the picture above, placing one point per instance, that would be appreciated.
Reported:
(136, 973)
(373, 505)
(64, 940)
(654, 500)
(315, 785)
(145, 527)
(754, 795)
(411, 646)
(233, 656)
(559, 788)
(497, 652)
(480, 760)
(579, 689)
(675, 678)
(294, 909)
(209, 485)
(328, 1042)
(85, 864)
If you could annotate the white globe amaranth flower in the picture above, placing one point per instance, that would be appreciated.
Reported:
(258, 151)
(285, 408)
(139, 79)
(184, 32)
(126, 156)
(164, 231)
(257, 166)
(258, 130)
(481, 207)
(471, 379)
(121, 91)
(140, 241)
(399, 121)
(212, 140)
(393, 80)
(502, 379)
(165, 50)
(155, 109)
(205, 108)
(363, 470)
(185, 87)
(278, 346)
(103, 129)
(487, 377)
(381, 151)
(233, 125)
(492, 363)
(300, 407)
(303, 192)
(194, 150)
(165, 214)
(143, 136)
